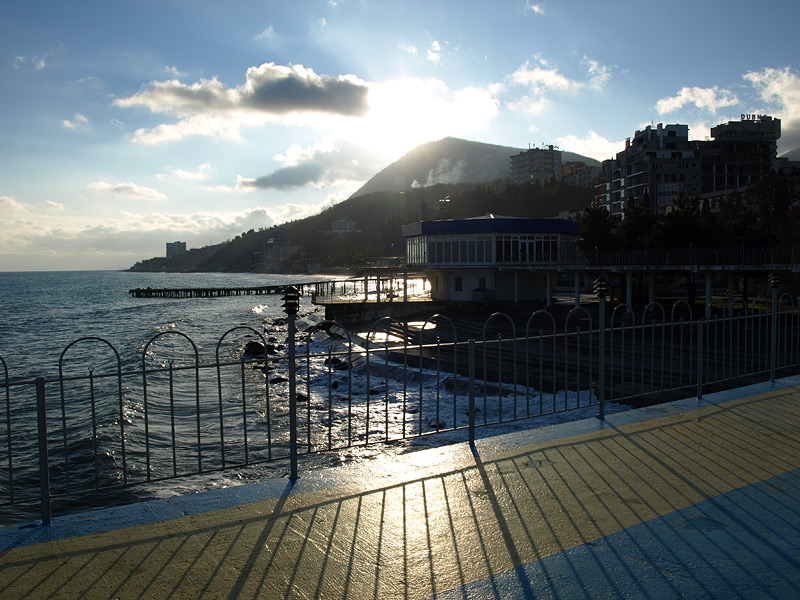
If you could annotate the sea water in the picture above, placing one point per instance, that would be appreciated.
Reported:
(43, 312)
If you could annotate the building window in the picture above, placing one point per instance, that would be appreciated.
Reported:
(459, 284)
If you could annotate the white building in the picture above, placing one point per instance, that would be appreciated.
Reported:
(491, 257)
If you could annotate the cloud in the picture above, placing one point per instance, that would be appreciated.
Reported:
(779, 89)
(410, 49)
(593, 145)
(41, 236)
(542, 81)
(534, 8)
(289, 178)
(127, 189)
(327, 163)
(199, 174)
(434, 52)
(711, 99)
(598, 74)
(267, 34)
(76, 121)
(270, 92)
(174, 71)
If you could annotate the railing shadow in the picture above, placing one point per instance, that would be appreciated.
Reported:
(617, 512)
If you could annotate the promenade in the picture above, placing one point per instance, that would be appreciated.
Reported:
(691, 499)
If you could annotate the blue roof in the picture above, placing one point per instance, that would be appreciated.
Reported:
(491, 224)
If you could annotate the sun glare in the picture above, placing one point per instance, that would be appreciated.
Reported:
(409, 112)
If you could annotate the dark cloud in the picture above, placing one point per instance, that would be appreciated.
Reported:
(281, 90)
(289, 178)
(269, 88)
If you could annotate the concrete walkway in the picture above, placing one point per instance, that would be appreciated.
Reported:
(685, 500)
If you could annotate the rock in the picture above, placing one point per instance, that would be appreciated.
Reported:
(254, 349)
(436, 424)
(279, 379)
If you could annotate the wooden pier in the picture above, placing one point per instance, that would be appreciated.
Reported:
(218, 292)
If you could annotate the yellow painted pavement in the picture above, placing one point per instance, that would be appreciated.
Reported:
(428, 521)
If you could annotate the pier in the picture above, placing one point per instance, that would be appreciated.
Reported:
(218, 292)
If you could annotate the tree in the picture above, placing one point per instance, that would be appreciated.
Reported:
(598, 228)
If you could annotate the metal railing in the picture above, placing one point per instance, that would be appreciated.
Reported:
(90, 430)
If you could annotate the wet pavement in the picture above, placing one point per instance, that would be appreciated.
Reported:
(691, 499)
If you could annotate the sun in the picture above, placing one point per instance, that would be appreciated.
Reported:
(405, 113)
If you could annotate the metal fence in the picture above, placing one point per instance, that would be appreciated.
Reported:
(90, 432)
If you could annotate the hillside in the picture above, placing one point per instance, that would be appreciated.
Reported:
(450, 178)
(450, 160)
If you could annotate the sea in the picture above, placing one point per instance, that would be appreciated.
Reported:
(44, 313)
(45, 317)
(41, 313)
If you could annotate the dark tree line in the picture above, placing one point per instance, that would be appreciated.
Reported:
(765, 214)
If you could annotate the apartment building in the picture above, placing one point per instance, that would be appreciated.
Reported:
(536, 165)
(660, 163)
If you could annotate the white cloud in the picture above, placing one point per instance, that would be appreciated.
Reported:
(598, 74)
(779, 89)
(540, 80)
(174, 71)
(270, 93)
(534, 8)
(711, 99)
(76, 121)
(534, 106)
(199, 174)
(593, 145)
(267, 34)
(127, 189)
(410, 49)
(434, 52)
(41, 236)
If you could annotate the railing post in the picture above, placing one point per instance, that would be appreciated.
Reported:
(471, 371)
(44, 460)
(600, 290)
(774, 282)
(291, 305)
(700, 323)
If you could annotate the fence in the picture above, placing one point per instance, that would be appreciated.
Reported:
(89, 435)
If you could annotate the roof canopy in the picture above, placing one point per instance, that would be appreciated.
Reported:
(491, 224)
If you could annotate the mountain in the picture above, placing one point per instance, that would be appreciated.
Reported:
(450, 160)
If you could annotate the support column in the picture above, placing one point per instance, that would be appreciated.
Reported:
(629, 289)
(708, 295)
(731, 284)
(548, 289)
(577, 290)
(516, 286)
(651, 288)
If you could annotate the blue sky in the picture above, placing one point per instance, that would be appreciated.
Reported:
(126, 124)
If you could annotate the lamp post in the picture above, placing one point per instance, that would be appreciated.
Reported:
(601, 291)
(291, 303)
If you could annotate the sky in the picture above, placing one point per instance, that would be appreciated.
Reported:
(128, 124)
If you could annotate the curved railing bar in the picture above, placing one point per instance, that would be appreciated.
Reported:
(325, 325)
(432, 319)
(535, 314)
(499, 362)
(244, 399)
(144, 392)
(94, 413)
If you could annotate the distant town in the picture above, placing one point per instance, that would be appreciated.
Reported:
(659, 168)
